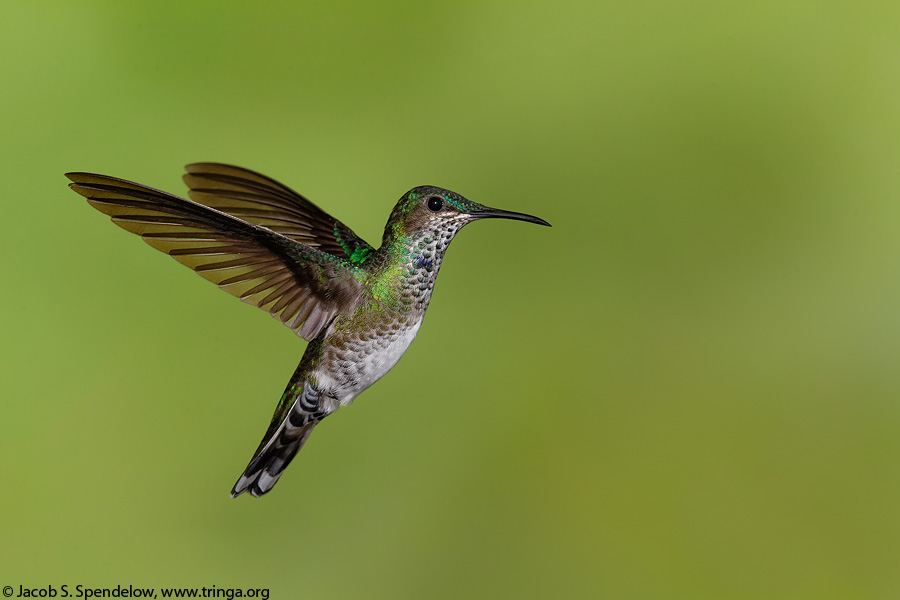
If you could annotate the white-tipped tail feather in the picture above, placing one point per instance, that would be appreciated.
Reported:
(270, 461)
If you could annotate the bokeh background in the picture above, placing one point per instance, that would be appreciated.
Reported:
(687, 388)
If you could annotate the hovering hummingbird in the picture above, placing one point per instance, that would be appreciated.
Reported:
(358, 307)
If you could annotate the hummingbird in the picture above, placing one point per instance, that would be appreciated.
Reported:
(358, 307)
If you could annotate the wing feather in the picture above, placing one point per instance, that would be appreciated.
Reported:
(302, 286)
(260, 200)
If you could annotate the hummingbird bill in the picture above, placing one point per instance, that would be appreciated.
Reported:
(358, 307)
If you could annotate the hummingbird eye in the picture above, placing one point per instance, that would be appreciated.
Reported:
(435, 203)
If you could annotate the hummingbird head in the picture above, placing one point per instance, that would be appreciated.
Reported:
(442, 212)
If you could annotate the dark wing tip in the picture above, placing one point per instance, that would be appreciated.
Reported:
(80, 177)
(84, 183)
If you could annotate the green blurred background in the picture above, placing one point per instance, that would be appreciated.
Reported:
(687, 388)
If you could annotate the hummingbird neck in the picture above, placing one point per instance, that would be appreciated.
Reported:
(404, 269)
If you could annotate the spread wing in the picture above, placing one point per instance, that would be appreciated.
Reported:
(301, 286)
(263, 201)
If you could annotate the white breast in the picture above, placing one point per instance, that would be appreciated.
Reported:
(377, 364)
(367, 365)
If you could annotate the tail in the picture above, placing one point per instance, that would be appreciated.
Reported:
(286, 435)
(272, 458)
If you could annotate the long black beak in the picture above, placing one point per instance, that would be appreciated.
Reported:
(494, 213)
